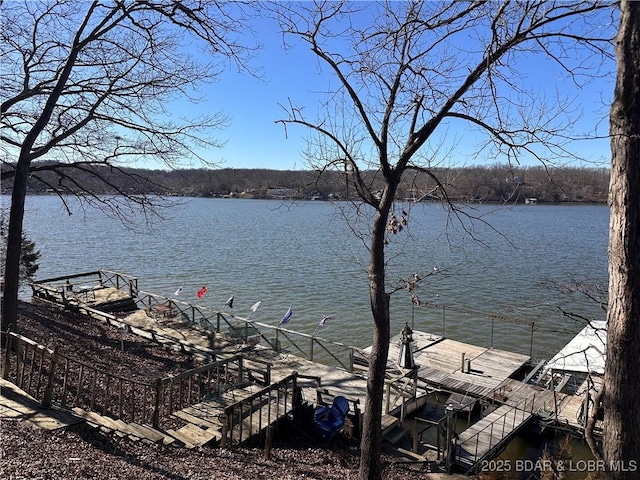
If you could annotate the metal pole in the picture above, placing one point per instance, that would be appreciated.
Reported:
(449, 410)
(531, 344)
(444, 314)
(351, 360)
(413, 308)
(492, 322)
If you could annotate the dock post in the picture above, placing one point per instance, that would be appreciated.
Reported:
(351, 360)
(492, 322)
(240, 369)
(267, 443)
(531, 343)
(463, 357)
(449, 410)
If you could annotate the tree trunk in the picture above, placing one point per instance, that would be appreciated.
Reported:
(371, 443)
(14, 245)
(622, 388)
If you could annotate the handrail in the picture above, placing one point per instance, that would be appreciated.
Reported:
(65, 277)
(107, 393)
(231, 419)
(99, 276)
(186, 310)
(206, 315)
(85, 385)
(60, 286)
(520, 407)
(201, 369)
(417, 435)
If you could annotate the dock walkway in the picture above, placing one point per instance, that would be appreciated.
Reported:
(490, 434)
(442, 364)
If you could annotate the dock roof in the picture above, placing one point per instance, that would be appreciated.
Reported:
(585, 353)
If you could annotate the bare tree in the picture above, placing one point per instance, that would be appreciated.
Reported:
(406, 72)
(88, 85)
(621, 387)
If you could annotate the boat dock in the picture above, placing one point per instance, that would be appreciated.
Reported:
(491, 385)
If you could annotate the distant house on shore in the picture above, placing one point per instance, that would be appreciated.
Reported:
(281, 193)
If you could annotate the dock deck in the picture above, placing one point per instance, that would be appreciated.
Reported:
(442, 364)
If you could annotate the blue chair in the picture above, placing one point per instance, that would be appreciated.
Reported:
(330, 420)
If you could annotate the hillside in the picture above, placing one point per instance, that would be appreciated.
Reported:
(496, 183)
(84, 452)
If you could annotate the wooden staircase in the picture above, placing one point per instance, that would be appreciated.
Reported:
(252, 408)
(205, 420)
(134, 431)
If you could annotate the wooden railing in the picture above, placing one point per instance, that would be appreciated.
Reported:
(120, 281)
(33, 367)
(53, 378)
(421, 425)
(399, 389)
(502, 425)
(194, 386)
(64, 289)
(180, 310)
(303, 345)
(251, 415)
(279, 339)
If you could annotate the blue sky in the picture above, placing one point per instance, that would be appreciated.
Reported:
(252, 104)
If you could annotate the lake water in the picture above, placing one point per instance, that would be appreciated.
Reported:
(304, 255)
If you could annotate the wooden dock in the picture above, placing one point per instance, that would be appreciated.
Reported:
(103, 290)
(443, 365)
(490, 434)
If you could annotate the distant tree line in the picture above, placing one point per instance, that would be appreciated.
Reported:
(494, 183)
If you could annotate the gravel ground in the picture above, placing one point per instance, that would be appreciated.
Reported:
(81, 452)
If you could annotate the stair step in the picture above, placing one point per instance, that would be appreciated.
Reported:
(103, 422)
(148, 432)
(193, 436)
(388, 423)
(124, 428)
(133, 430)
(401, 452)
(178, 437)
(395, 435)
(209, 422)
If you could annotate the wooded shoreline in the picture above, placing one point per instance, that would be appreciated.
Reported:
(478, 184)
